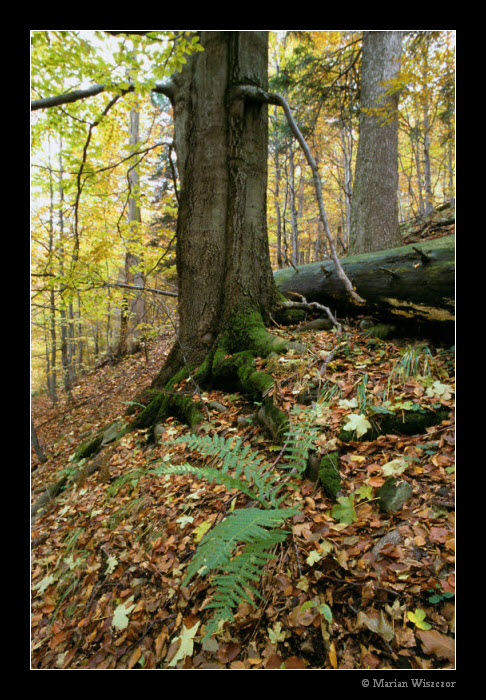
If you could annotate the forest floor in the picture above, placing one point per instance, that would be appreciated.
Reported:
(374, 591)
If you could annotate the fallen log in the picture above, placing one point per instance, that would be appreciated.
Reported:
(412, 286)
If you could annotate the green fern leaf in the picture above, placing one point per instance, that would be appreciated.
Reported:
(246, 525)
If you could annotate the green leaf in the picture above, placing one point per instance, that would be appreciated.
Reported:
(276, 634)
(325, 611)
(348, 403)
(185, 520)
(111, 565)
(443, 391)
(396, 466)
(45, 583)
(344, 510)
(365, 491)
(314, 557)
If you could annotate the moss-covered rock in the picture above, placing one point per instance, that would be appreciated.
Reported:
(403, 423)
(287, 317)
(393, 494)
(382, 331)
(329, 475)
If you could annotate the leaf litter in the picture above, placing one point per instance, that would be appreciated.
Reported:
(351, 587)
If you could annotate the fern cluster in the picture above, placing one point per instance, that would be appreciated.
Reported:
(235, 551)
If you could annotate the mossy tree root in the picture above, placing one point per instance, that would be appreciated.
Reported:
(406, 423)
(229, 365)
(170, 402)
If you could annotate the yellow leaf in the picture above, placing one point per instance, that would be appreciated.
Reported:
(201, 530)
(332, 655)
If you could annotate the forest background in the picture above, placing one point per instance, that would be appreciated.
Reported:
(366, 578)
(104, 175)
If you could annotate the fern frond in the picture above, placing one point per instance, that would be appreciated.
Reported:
(299, 441)
(211, 474)
(233, 456)
(245, 525)
(235, 551)
(240, 571)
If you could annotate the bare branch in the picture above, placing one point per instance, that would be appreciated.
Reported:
(76, 95)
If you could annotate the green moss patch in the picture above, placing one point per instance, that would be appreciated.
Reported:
(329, 475)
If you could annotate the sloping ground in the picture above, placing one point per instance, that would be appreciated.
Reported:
(352, 586)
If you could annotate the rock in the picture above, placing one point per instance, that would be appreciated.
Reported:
(298, 348)
(393, 494)
(320, 324)
(216, 406)
(392, 537)
(111, 433)
(159, 430)
(242, 421)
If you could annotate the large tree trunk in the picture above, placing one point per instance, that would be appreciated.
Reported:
(223, 259)
(400, 285)
(374, 208)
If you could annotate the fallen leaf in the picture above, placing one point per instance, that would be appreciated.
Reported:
(438, 644)
(418, 618)
(120, 616)
(358, 423)
(186, 646)
(332, 655)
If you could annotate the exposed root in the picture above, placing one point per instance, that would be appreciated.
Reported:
(229, 365)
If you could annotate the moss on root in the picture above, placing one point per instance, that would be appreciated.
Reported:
(229, 365)
(274, 420)
(246, 330)
(89, 447)
(168, 401)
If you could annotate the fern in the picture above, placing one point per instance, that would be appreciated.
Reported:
(299, 440)
(239, 468)
(258, 530)
(235, 551)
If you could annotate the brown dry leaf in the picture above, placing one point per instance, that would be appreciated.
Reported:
(135, 657)
(438, 644)
(294, 662)
(274, 661)
(160, 643)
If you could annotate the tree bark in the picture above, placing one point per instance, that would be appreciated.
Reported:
(413, 285)
(223, 258)
(374, 210)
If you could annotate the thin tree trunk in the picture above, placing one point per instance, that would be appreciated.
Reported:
(65, 356)
(429, 205)
(293, 209)
(51, 375)
(36, 444)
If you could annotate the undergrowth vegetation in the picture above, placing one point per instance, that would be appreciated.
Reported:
(220, 548)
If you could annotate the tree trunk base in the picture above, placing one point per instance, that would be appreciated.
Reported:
(230, 366)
